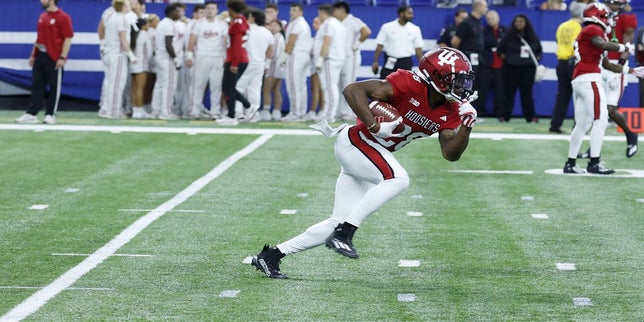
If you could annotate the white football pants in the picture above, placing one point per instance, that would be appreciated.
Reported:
(165, 86)
(208, 69)
(329, 78)
(369, 177)
(116, 75)
(348, 75)
(590, 110)
(297, 69)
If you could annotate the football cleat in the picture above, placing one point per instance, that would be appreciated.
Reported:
(584, 155)
(599, 168)
(569, 168)
(631, 144)
(268, 263)
(341, 242)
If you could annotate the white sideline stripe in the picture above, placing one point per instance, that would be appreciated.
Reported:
(639, 200)
(288, 211)
(39, 207)
(72, 190)
(527, 198)
(416, 196)
(491, 171)
(303, 194)
(148, 210)
(540, 216)
(229, 293)
(414, 213)
(40, 298)
(69, 288)
(213, 130)
(116, 255)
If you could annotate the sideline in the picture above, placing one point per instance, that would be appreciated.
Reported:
(40, 298)
(245, 131)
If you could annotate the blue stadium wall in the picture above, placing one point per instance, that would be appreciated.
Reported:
(83, 74)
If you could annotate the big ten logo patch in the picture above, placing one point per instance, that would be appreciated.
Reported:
(634, 119)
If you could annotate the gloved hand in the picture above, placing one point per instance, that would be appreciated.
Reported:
(630, 47)
(281, 61)
(467, 112)
(318, 62)
(639, 71)
(132, 57)
(177, 62)
(473, 97)
(386, 129)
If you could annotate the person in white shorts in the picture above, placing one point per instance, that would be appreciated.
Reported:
(259, 47)
(297, 59)
(167, 62)
(331, 41)
(207, 57)
(357, 33)
(271, 88)
(117, 53)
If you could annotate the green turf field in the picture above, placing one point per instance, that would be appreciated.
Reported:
(213, 197)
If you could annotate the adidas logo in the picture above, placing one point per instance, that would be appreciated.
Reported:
(443, 118)
(340, 245)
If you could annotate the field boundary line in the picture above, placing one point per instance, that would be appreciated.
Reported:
(40, 298)
(242, 131)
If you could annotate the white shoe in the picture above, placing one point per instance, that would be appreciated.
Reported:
(27, 119)
(104, 114)
(265, 115)
(291, 118)
(49, 119)
(227, 121)
(249, 113)
(168, 117)
(140, 113)
(310, 116)
(277, 115)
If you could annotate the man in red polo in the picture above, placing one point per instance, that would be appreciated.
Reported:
(47, 60)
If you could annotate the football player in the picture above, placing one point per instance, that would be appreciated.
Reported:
(623, 32)
(589, 96)
(434, 99)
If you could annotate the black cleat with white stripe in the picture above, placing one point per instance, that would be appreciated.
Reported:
(268, 261)
(341, 240)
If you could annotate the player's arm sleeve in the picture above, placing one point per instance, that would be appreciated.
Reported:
(380, 38)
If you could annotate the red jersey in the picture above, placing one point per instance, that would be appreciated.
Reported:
(589, 56)
(238, 33)
(624, 21)
(53, 28)
(421, 120)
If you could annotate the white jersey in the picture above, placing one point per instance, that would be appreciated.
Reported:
(259, 39)
(301, 28)
(353, 25)
(164, 28)
(399, 41)
(331, 27)
(107, 13)
(190, 26)
(212, 37)
(143, 52)
(179, 37)
(116, 24)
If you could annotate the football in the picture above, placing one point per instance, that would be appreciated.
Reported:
(384, 112)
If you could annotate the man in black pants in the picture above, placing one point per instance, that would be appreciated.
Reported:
(470, 40)
(47, 59)
(566, 34)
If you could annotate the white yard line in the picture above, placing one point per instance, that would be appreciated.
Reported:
(40, 298)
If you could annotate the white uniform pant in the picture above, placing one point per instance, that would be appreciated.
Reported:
(208, 69)
(348, 75)
(369, 177)
(297, 69)
(185, 88)
(590, 111)
(165, 86)
(614, 84)
(250, 83)
(114, 84)
(329, 78)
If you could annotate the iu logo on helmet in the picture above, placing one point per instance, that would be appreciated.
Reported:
(447, 57)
